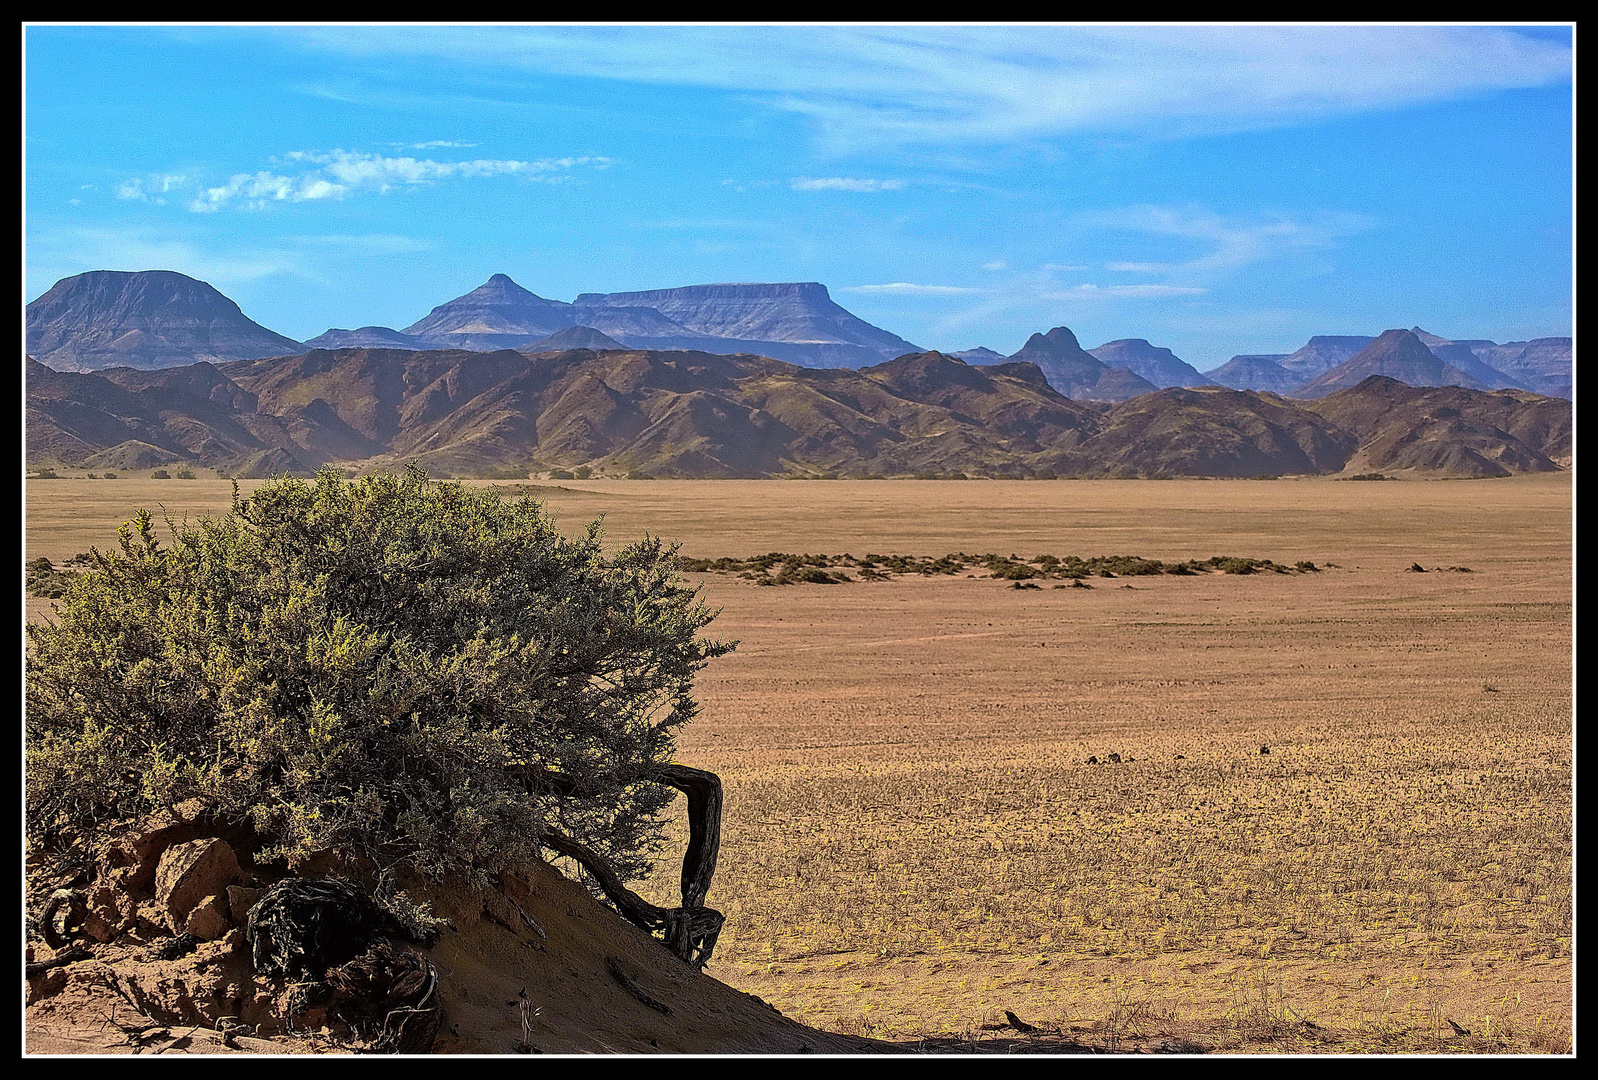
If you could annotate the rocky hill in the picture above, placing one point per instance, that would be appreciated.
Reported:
(1451, 430)
(1397, 354)
(367, 337)
(692, 414)
(1256, 372)
(1321, 354)
(1077, 374)
(146, 319)
(576, 337)
(1159, 366)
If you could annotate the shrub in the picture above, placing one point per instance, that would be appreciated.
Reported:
(160, 474)
(185, 474)
(386, 667)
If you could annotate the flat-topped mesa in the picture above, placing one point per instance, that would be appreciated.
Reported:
(799, 312)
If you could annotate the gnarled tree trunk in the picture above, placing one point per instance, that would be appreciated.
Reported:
(690, 931)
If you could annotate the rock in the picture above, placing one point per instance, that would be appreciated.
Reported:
(49, 984)
(208, 921)
(111, 911)
(188, 873)
(133, 860)
(240, 900)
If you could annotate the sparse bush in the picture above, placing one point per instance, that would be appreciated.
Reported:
(582, 472)
(44, 474)
(43, 579)
(160, 474)
(185, 474)
(385, 667)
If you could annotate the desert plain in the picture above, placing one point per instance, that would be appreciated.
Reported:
(1321, 810)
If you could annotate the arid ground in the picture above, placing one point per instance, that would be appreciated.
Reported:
(1341, 814)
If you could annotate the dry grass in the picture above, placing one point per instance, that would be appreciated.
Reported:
(915, 840)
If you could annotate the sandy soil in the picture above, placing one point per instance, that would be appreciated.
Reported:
(877, 737)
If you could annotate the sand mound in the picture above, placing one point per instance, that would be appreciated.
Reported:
(151, 954)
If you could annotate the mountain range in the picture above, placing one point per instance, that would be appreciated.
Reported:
(156, 319)
(695, 414)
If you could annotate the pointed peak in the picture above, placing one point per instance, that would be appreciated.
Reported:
(1058, 340)
(501, 283)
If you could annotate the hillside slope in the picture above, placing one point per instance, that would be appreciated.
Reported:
(696, 414)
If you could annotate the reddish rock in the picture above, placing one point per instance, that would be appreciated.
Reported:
(188, 873)
(208, 921)
(111, 909)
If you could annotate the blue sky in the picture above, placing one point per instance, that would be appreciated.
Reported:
(1215, 189)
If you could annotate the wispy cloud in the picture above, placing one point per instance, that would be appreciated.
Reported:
(905, 288)
(1232, 242)
(843, 183)
(1089, 291)
(337, 174)
(59, 253)
(980, 85)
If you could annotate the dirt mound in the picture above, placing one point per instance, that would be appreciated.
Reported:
(152, 951)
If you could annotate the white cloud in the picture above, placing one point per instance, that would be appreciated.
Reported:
(148, 188)
(996, 264)
(843, 183)
(336, 174)
(873, 85)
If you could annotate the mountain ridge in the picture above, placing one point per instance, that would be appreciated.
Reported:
(101, 328)
(692, 414)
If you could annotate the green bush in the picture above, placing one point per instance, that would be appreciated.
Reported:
(384, 667)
